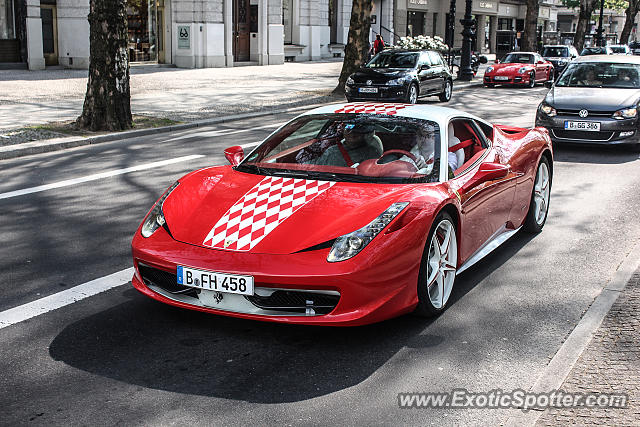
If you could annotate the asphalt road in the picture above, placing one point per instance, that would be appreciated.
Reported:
(119, 357)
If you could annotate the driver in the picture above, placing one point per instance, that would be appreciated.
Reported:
(359, 143)
(590, 78)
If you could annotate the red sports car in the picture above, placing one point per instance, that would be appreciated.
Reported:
(348, 214)
(519, 68)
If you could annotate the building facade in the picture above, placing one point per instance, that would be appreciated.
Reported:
(189, 34)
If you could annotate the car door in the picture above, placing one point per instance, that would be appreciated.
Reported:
(440, 73)
(425, 74)
(485, 205)
(541, 67)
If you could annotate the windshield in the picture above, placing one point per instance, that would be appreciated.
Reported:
(350, 147)
(610, 75)
(555, 52)
(594, 51)
(518, 58)
(394, 60)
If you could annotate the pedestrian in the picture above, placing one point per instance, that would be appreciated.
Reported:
(378, 44)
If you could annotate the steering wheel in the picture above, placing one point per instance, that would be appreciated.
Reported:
(403, 152)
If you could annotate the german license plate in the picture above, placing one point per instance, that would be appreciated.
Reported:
(214, 281)
(588, 126)
(368, 90)
(501, 78)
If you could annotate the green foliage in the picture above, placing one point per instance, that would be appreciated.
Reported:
(608, 4)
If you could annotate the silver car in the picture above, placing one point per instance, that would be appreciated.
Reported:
(595, 101)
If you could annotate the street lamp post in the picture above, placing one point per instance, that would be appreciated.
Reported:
(600, 31)
(451, 28)
(466, 73)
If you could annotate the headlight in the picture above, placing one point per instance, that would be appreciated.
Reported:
(395, 82)
(548, 109)
(155, 219)
(350, 80)
(522, 70)
(489, 69)
(351, 244)
(626, 113)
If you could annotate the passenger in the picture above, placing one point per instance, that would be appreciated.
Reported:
(590, 79)
(360, 143)
(456, 159)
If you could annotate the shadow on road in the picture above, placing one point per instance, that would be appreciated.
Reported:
(578, 153)
(149, 344)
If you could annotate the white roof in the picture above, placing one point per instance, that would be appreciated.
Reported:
(440, 115)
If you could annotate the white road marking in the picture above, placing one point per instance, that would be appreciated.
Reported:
(61, 299)
(96, 176)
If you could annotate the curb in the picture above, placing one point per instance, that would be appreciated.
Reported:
(562, 363)
(56, 144)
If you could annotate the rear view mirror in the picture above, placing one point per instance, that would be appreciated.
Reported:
(234, 155)
(487, 172)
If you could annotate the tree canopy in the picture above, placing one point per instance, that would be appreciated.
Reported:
(608, 4)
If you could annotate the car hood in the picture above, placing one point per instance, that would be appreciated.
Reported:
(379, 74)
(204, 210)
(597, 99)
(508, 68)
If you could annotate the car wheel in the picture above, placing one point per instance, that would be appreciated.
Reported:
(550, 78)
(412, 94)
(532, 79)
(438, 267)
(445, 96)
(540, 195)
(349, 99)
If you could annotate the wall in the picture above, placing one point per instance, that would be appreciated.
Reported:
(73, 33)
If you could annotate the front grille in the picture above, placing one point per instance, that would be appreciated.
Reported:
(573, 112)
(164, 280)
(295, 301)
(582, 135)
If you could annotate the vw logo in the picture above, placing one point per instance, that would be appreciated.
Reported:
(369, 82)
(583, 113)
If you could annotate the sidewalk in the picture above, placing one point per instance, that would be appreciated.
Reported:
(609, 364)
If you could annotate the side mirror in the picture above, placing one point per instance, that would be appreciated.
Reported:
(497, 61)
(424, 67)
(482, 59)
(548, 84)
(540, 62)
(487, 172)
(234, 155)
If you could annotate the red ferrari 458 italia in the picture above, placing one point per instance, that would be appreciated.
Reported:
(348, 214)
(519, 68)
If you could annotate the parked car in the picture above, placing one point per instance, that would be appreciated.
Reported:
(597, 50)
(560, 56)
(621, 49)
(347, 215)
(595, 101)
(402, 76)
(519, 68)
(635, 47)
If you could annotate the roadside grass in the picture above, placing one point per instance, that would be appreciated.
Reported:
(68, 128)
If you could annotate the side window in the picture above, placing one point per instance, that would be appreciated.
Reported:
(487, 132)
(435, 58)
(424, 59)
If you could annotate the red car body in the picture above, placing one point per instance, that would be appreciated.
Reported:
(378, 283)
(511, 72)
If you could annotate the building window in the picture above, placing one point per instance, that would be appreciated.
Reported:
(7, 20)
(505, 24)
(435, 25)
(415, 23)
(287, 20)
(142, 21)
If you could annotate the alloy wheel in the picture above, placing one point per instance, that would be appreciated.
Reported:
(413, 94)
(541, 193)
(442, 263)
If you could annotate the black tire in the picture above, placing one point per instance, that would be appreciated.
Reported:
(531, 225)
(410, 98)
(551, 75)
(532, 79)
(445, 96)
(425, 308)
(349, 99)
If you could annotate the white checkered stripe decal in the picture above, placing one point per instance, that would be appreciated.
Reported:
(373, 108)
(261, 210)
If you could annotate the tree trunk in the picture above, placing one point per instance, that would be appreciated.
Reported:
(630, 13)
(529, 37)
(355, 52)
(107, 103)
(584, 17)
